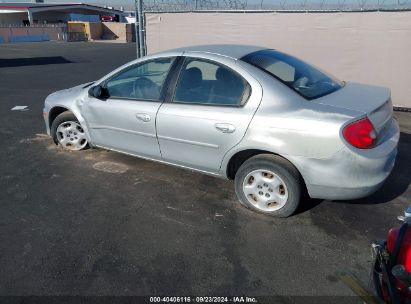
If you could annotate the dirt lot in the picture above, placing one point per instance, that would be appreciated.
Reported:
(103, 223)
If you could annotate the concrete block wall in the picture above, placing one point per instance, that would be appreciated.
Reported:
(130, 32)
(122, 32)
(103, 30)
(95, 30)
(30, 34)
(31, 38)
(115, 29)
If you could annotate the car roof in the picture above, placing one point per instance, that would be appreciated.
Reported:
(234, 51)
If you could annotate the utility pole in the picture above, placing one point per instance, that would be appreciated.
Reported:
(139, 26)
(136, 29)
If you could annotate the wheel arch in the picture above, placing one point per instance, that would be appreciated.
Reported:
(240, 157)
(56, 111)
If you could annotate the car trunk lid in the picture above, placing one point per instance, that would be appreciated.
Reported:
(373, 101)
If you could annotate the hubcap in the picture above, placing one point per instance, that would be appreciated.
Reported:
(265, 190)
(71, 135)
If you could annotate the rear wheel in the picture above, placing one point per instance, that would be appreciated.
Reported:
(269, 184)
(68, 132)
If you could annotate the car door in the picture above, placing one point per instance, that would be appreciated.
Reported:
(125, 121)
(208, 113)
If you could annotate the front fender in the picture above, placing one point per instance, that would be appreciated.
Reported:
(72, 100)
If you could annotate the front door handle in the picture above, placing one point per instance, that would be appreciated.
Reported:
(225, 127)
(143, 117)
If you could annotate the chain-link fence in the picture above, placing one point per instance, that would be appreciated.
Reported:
(289, 5)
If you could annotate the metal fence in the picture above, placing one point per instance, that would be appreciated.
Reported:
(164, 6)
(288, 5)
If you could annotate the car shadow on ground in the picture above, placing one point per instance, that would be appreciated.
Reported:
(395, 185)
(17, 62)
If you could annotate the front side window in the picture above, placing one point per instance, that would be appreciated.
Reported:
(301, 77)
(205, 82)
(143, 81)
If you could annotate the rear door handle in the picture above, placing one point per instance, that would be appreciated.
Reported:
(225, 127)
(143, 117)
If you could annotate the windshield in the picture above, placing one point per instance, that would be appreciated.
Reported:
(303, 78)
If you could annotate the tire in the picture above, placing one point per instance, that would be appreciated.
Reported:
(269, 184)
(67, 132)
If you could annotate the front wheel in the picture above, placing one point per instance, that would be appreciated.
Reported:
(68, 132)
(269, 184)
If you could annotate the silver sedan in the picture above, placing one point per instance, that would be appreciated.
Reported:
(274, 124)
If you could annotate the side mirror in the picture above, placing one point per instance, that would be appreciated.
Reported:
(98, 92)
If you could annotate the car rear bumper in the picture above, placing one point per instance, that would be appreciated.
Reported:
(339, 193)
(351, 173)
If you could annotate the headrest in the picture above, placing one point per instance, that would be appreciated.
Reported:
(192, 77)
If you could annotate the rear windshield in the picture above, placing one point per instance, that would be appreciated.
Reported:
(301, 77)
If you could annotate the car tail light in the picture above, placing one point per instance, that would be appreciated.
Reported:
(360, 134)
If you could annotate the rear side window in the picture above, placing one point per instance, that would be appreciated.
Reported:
(206, 82)
(301, 77)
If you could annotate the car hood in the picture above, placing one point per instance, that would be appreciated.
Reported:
(67, 94)
(358, 97)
